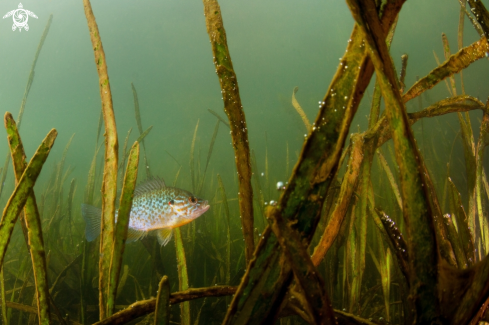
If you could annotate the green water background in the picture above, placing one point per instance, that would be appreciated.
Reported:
(163, 48)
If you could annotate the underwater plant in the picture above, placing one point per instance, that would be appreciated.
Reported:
(302, 258)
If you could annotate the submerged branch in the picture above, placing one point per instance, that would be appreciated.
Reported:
(145, 307)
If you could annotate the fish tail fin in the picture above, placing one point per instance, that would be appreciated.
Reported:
(92, 216)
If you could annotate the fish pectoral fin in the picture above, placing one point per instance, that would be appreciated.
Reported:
(134, 234)
(92, 216)
(164, 235)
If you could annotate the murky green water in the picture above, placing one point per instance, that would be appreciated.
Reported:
(162, 47)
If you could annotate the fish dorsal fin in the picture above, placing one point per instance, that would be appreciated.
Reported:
(149, 185)
(164, 235)
(134, 234)
(92, 216)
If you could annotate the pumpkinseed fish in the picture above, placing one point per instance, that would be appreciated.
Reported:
(156, 209)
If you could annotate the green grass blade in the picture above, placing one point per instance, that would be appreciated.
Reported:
(192, 162)
(140, 128)
(228, 237)
(22, 191)
(33, 222)
(4, 298)
(122, 224)
(390, 177)
(457, 62)
(300, 111)
(31, 73)
(258, 298)
(109, 185)
(219, 118)
(417, 209)
(481, 145)
(209, 154)
(162, 310)
(234, 110)
(182, 276)
(304, 270)
(348, 185)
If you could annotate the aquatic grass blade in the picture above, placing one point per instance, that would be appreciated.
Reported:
(109, 185)
(310, 181)
(140, 128)
(300, 111)
(4, 298)
(348, 185)
(457, 62)
(304, 270)
(417, 210)
(162, 309)
(33, 222)
(237, 121)
(228, 235)
(209, 154)
(182, 276)
(122, 225)
(390, 177)
(192, 163)
(22, 192)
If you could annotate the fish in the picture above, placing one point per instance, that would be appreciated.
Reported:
(156, 210)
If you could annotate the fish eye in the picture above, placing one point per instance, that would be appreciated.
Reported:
(171, 202)
(192, 199)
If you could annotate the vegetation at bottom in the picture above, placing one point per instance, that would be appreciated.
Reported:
(370, 229)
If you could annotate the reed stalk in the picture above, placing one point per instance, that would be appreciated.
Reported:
(301, 202)
(162, 306)
(306, 274)
(120, 234)
(228, 233)
(4, 298)
(140, 128)
(481, 15)
(348, 185)
(457, 209)
(237, 121)
(300, 111)
(482, 143)
(417, 210)
(22, 191)
(390, 177)
(402, 76)
(219, 118)
(182, 276)
(192, 162)
(33, 222)
(457, 62)
(109, 185)
(209, 154)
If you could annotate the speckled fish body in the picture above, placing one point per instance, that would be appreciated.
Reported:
(155, 209)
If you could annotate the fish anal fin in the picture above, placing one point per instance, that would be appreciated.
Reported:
(164, 235)
(134, 234)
